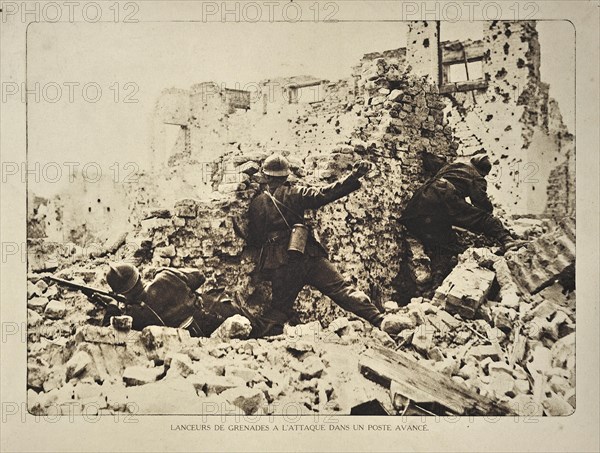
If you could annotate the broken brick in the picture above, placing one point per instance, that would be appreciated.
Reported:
(179, 365)
(465, 289)
(483, 351)
(37, 303)
(423, 339)
(251, 401)
(139, 375)
(236, 326)
(55, 309)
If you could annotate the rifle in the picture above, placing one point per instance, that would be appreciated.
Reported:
(88, 290)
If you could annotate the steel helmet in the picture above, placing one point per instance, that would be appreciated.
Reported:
(122, 277)
(482, 163)
(276, 165)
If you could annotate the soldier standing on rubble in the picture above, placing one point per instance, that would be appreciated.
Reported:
(170, 300)
(274, 217)
(440, 204)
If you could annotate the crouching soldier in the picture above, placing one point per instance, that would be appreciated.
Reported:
(170, 300)
(290, 256)
(440, 204)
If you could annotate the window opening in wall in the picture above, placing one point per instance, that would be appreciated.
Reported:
(306, 93)
(461, 57)
(458, 72)
(310, 94)
(237, 99)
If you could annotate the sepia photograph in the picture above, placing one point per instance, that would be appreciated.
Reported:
(389, 235)
(260, 217)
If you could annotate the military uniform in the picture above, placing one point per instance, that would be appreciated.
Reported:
(440, 204)
(268, 230)
(170, 299)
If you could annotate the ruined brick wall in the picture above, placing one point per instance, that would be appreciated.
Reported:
(393, 119)
(383, 107)
(513, 119)
(423, 52)
(383, 114)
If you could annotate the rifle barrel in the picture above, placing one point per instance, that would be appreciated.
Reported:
(115, 296)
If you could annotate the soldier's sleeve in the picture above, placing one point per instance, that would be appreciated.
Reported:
(140, 318)
(479, 196)
(193, 278)
(315, 197)
(256, 224)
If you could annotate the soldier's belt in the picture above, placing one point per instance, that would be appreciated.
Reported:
(188, 322)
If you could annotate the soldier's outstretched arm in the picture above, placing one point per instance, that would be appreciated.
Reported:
(479, 196)
(315, 197)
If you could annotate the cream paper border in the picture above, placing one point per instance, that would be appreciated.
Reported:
(579, 432)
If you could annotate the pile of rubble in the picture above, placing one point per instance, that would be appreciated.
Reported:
(499, 328)
(492, 330)
(100, 370)
(484, 331)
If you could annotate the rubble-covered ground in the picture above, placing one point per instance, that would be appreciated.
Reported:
(500, 327)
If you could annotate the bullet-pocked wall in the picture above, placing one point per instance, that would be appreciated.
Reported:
(507, 112)
(208, 144)
(395, 105)
(381, 113)
(90, 211)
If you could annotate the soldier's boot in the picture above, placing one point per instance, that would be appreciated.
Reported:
(515, 244)
(508, 244)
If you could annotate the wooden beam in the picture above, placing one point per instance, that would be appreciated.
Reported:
(467, 72)
(453, 52)
(478, 84)
(423, 385)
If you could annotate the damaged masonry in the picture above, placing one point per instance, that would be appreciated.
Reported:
(496, 337)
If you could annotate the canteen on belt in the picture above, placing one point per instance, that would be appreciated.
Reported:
(298, 239)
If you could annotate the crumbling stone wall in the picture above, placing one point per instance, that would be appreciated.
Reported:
(384, 114)
(513, 119)
(81, 211)
(392, 119)
(423, 53)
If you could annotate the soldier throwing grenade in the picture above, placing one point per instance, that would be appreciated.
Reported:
(276, 224)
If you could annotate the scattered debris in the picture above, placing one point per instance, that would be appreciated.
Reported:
(497, 338)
